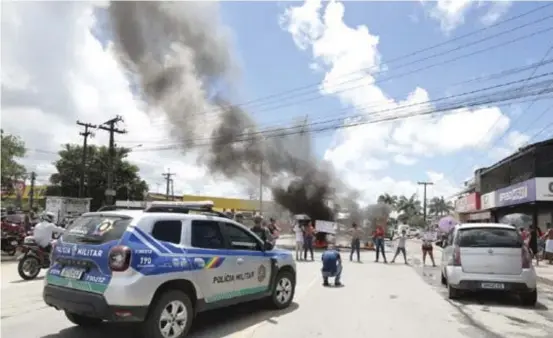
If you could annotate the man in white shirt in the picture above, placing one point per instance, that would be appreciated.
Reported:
(427, 248)
(44, 230)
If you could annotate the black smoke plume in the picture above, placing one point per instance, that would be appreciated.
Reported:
(180, 53)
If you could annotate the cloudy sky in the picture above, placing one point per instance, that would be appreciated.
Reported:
(316, 60)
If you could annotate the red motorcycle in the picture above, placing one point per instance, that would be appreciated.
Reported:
(33, 258)
(13, 235)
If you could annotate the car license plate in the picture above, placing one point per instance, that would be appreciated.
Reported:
(493, 286)
(72, 273)
(14, 243)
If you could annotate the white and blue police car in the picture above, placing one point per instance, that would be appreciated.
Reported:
(161, 266)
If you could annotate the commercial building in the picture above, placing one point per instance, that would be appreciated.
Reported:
(520, 183)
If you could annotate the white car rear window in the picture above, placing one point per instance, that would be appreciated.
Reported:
(489, 238)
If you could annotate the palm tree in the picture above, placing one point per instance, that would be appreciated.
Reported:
(388, 199)
(438, 206)
(408, 207)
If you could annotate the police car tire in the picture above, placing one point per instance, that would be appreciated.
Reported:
(81, 320)
(151, 324)
(274, 303)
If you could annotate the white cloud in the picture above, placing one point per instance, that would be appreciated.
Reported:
(51, 80)
(342, 50)
(451, 13)
(405, 160)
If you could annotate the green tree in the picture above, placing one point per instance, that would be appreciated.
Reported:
(391, 200)
(409, 209)
(438, 206)
(65, 182)
(13, 148)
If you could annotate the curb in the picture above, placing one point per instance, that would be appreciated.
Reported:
(543, 280)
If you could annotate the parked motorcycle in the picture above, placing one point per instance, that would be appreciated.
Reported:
(32, 260)
(9, 243)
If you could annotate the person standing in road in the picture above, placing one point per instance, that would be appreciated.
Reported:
(356, 234)
(309, 235)
(401, 244)
(548, 237)
(427, 247)
(379, 243)
(535, 234)
(299, 241)
(332, 266)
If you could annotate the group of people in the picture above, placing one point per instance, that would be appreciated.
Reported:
(268, 232)
(305, 236)
(539, 241)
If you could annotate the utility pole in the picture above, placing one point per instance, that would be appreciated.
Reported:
(85, 136)
(424, 184)
(168, 180)
(32, 190)
(110, 126)
(172, 190)
(261, 187)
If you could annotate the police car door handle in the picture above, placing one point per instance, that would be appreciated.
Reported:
(240, 260)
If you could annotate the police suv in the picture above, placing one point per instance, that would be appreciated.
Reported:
(161, 266)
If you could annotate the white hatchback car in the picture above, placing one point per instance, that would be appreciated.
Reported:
(488, 256)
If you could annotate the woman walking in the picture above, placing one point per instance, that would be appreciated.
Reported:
(356, 234)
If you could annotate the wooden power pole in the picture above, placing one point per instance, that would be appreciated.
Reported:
(110, 126)
(168, 179)
(424, 184)
(85, 134)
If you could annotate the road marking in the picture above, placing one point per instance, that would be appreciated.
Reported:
(250, 331)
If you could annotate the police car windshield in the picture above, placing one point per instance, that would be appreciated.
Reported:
(96, 229)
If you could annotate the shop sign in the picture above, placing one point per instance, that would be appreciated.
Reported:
(470, 202)
(488, 201)
(519, 193)
(480, 216)
(544, 188)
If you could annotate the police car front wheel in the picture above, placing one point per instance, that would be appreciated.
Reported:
(283, 290)
(171, 316)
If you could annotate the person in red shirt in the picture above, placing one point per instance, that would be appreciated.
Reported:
(379, 243)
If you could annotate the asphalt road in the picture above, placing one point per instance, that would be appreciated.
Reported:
(386, 300)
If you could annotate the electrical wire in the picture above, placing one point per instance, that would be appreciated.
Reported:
(457, 166)
(345, 111)
(484, 99)
(280, 104)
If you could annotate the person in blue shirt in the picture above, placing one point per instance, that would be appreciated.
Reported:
(332, 266)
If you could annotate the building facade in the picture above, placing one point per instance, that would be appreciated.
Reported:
(520, 183)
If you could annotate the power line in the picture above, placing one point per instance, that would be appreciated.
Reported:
(417, 52)
(387, 110)
(535, 69)
(332, 113)
(281, 104)
(350, 125)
